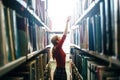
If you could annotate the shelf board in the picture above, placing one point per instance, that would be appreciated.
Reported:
(92, 9)
(108, 59)
(23, 10)
(35, 53)
(11, 65)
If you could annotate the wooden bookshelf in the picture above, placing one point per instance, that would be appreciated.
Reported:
(92, 9)
(23, 9)
(36, 53)
(103, 57)
(12, 65)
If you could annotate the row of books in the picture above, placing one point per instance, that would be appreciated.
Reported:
(80, 6)
(100, 32)
(38, 7)
(32, 70)
(88, 34)
(92, 69)
(75, 73)
(19, 35)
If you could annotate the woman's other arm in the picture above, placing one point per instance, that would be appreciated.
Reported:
(66, 27)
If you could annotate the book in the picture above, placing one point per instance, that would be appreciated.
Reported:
(41, 69)
(93, 70)
(38, 8)
(3, 51)
(84, 35)
(37, 68)
(29, 49)
(92, 19)
(30, 30)
(112, 7)
(99, 71)
(22, 34)
(81, 36)
(103, 28)
(37, 37)
(32, 4)
(16, 45)
(9, 35)
(98, 34)
(42, 12)
(34, 38)
(90, 35)
(84, 67)
(117, 27)
(44, 61)
(78, 62)
(108, 46)
(118, 37)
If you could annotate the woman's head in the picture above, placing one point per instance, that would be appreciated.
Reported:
(55, 39)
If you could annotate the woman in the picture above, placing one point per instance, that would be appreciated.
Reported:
(59, 55)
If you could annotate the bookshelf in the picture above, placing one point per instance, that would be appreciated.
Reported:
(10, 66)
(105, 58)
(95, 37)
(23, 9)
(24, 23)
(91, 10)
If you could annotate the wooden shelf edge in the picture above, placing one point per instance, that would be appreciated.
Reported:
(30, 55)
(11, 65)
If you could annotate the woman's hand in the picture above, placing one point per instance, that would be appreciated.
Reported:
(68, 18)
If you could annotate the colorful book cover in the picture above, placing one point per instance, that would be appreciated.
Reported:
(109, 39)
(3, 53)
(103, 28)
(22, 35)
(90, 35)
(98, 34)
(15, 34)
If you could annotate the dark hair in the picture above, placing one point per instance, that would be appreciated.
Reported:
(54, 40)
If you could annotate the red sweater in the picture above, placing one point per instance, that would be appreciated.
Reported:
(60, 55)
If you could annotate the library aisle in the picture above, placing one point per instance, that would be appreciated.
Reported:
(93, 39)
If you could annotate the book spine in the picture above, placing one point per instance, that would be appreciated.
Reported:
(22, 34)
(117, 27)
(98, 34)
(103, 26)
(10, 34)
(109, 39)
(90, 34)
(3, 53)
(15, 34)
